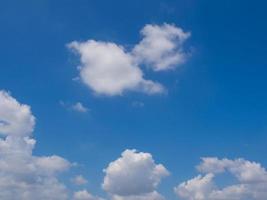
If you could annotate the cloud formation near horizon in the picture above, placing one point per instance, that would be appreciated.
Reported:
(109, 69)
(251, 177)
(133, 176)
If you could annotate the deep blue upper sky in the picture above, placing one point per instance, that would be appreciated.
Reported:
(216, 102)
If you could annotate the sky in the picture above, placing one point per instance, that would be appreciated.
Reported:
(133, 100)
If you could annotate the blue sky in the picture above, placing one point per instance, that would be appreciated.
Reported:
(215, 104)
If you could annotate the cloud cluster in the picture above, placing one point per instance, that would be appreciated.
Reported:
(251, 177)
(134, 176)
(22, 175)
(108, 69)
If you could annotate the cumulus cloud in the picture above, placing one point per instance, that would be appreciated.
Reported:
(251, 177)
(108, 69)
(134, 175)
(24, 176)
(15, 119)
(161, 47)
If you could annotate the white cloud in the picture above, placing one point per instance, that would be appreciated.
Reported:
(79, 180)
(79, 107)
(162, 47)
(15, 118)
(251, 177)
(85, 195)
(243, 170)
(24, 176)
(108, 70)
(196, 188)
(134, 176)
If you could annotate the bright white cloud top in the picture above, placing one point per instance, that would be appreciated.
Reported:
(251, 177)
(134, 175)
(108, 69)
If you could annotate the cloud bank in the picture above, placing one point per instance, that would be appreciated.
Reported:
(108, 69)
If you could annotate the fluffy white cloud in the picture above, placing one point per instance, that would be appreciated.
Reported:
(161, 47)
(24, 176)
(15, 118)
(85, 195)
(134, 176)
(251, 177)
(245, 171)
(107, 69)
(196, 188)
(79, 180)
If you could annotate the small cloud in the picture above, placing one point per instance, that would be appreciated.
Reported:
(79, 107)
(79, 180)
